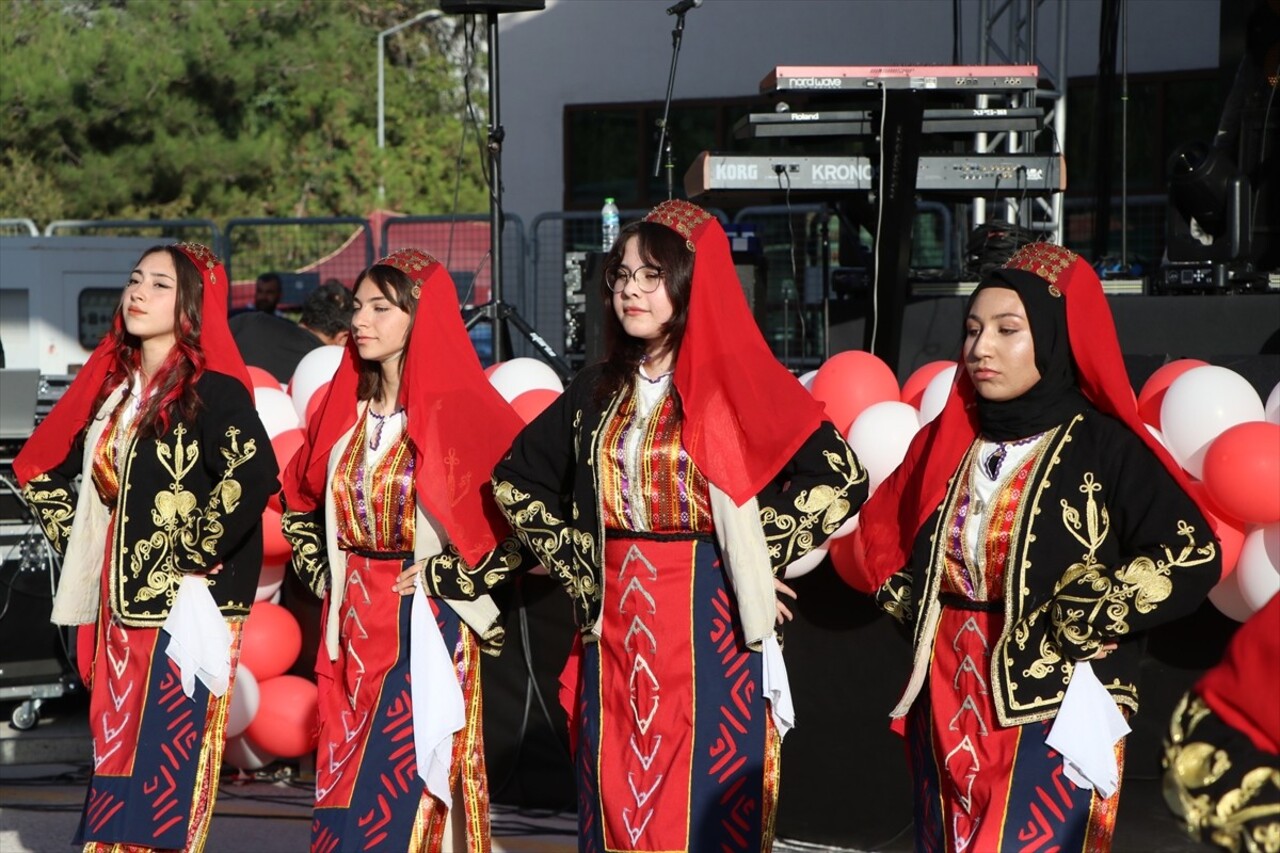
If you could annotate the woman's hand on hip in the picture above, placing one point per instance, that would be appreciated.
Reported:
(784, 613)
(408, 579)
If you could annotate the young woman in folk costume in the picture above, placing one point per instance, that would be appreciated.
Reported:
(1222, 753)
(161, 548)
(666, 488)
(395, 472)
(1034, 525)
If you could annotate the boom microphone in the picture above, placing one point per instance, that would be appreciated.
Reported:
(683, 6)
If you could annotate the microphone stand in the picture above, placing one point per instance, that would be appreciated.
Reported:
(664, 135)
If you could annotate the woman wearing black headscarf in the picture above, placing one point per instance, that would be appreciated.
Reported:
(1034, 525)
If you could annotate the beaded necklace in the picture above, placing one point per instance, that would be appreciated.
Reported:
(379, 420)
(991, 465)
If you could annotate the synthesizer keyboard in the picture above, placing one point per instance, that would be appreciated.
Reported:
(958, 173)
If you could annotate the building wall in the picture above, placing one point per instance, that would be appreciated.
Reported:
(592, 51)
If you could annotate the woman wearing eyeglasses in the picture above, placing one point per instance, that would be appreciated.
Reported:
(665, 489)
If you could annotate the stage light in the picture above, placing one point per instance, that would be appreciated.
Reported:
(1200, 185)
(1209, 217)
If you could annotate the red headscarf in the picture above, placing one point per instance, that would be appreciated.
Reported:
(745, 416)
(459, 425)
(53, 438)
(893, 516)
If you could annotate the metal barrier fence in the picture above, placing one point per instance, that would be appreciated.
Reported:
(461, 243)
(199, 230)
(542, 268)
(18, 228)
(307, 251)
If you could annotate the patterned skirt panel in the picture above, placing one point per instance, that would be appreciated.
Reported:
(369, 796)
(157, 754)
(676, 747)
(979, 786)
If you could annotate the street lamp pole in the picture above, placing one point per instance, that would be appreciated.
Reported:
(431, 15)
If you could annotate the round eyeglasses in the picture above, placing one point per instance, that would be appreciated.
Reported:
(646, 278)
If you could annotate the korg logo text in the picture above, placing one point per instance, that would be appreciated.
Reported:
(737, 171)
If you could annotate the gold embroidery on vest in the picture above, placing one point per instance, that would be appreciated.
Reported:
(202, 537)
(826, 505)
(1138, 586)
(53, 509)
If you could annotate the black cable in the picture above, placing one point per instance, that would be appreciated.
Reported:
(531, 690)
(781, 172)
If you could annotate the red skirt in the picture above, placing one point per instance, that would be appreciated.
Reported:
(676, 749)
(978, 785)
(157, 754)
(369, 796)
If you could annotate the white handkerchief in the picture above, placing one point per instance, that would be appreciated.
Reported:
(438, 709)
(777, 687)
(1086, 730)
(199, 638)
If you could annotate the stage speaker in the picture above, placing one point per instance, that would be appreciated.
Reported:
(485, 7)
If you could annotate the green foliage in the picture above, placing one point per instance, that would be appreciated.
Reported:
(223, 108)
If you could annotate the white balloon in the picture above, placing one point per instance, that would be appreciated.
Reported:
(807, 380)
(512, 378)
(275, 597)
(1271, 411)
(880, 435)
(1227, 598)
(244, 702)
(275, 409)
(244, 754)
(935, 395)
(316, 368)
(1155, 433)
(805, 564)
(270, 580)
(1257, 572)
(850, 525)
(1199, 406)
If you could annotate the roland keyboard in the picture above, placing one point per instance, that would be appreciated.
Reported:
(861, 78)
(867, 122)
(954, 173)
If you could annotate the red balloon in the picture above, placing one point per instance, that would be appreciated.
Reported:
(850, 381)
(275, 548)
(285, 724)
(1228, 530)
(913, 388)
(531, 403)
(1242, 472)
(313, 405)
(285, 444)
(262, 379)
(1152, 393)
(271, 642)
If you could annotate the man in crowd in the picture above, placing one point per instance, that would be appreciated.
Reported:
(277, 344)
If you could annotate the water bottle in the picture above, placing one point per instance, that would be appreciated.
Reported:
(609, 225)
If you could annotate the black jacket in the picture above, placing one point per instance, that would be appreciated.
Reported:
(189, 500)
(547, 486)
(1106, 545)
